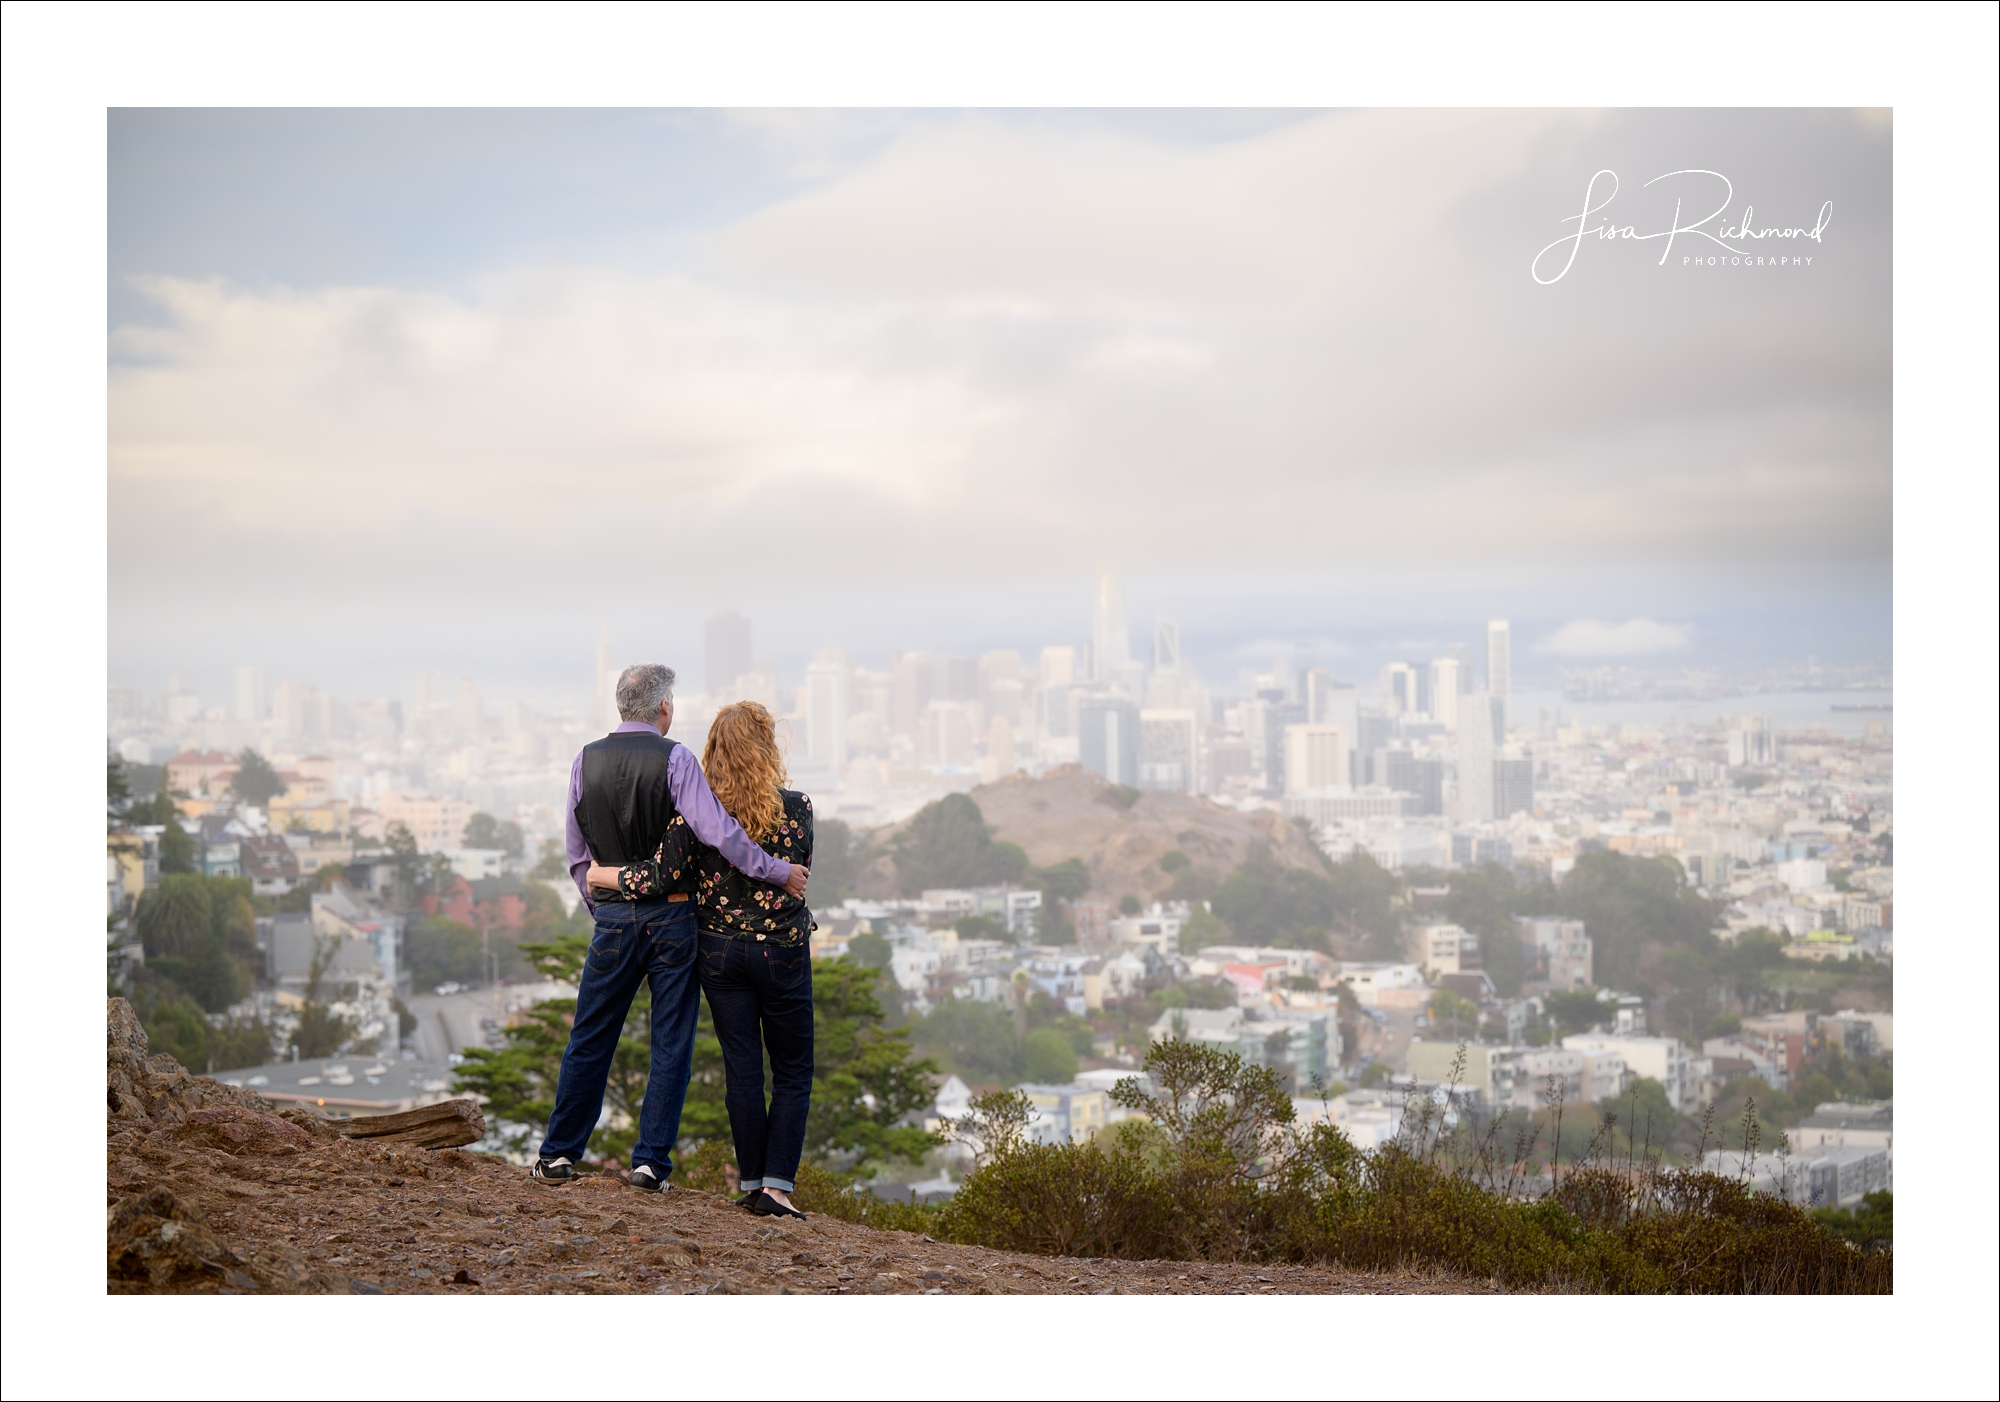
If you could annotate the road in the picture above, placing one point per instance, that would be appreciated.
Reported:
(448, 1025)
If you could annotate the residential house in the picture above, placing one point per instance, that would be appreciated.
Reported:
(1663, 1059)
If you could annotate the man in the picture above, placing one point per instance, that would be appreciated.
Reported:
(624, 792)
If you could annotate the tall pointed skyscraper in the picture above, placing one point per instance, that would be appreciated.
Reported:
(1110, 640)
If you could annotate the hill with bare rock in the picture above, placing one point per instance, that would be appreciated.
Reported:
(1119, 833)
(211, 1191)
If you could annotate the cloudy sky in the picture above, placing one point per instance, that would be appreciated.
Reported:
(394, 391)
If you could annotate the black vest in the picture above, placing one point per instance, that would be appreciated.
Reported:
(625, 803)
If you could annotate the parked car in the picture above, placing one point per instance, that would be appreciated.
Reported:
(446, 989)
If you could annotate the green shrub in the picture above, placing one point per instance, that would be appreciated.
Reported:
(1216, 1170)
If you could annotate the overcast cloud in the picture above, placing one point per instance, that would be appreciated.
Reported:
(799, 361)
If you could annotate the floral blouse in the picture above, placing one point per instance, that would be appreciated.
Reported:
(732, 904)
(670, 870)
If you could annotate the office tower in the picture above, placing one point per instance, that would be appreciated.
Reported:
(1167, 740)
(759, 684)
(1444, 692)
(1426, 700)
(1108, 737)
(290, 707)
(1475, 762)
(726, 653)
(1110, 641)
(1399, 688)
(1000, 745)
(467, 711)
(1316, 757)
(1499, 669)
(1000, 689)
(957, 679)
(1462, 655)
(826, 709)
(912, 686)
(1057, 666)
(1513, 785)
(1164, 688)
(949, 730)
(250, 693)
(1404, 772)
(1271, 758)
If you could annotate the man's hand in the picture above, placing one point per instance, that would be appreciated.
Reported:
(795, 884)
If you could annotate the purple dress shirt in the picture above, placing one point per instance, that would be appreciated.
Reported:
(697, 803)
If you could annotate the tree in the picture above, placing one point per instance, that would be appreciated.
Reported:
(320, 1030)
(256, 781)
(1628, 902)
(439, 950)
(177, 853)
(403, 853)
(947, 844)
(839, 855)
(1201, 930)
(173, 914)
(974, 1039)
(1574, 1009)
(1266, 903)
(551, 865)
(483, 830)
(980, 927)
(176, 1027)
(241, 1043)
(1048, 1058)
(117, 785)
(869, 950)
(1456, 1018)
(1128, 904)
(865, 1083)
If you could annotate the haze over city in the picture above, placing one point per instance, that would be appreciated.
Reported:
(402, 392)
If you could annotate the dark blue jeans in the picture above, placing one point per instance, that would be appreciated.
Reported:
(761, 998)
(653, 941)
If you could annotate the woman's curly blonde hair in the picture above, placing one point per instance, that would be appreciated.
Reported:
(744, 767)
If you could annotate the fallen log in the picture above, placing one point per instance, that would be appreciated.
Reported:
(445, 1125)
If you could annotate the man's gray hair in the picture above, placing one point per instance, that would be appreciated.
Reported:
(641, 689)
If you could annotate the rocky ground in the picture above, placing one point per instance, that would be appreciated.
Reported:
(211, 1192)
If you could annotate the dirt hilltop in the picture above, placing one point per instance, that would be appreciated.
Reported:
(213, 1192)
(1069, 812)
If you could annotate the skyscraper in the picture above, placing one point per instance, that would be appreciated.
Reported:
(250, 701)
(1475, 761)
(1399, 688)
(1108, 738)
(826, 709)
(1444, 692)
(1110, 640)
(726, 652)
(1499, 669)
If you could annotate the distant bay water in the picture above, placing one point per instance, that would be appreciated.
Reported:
(1788, 710)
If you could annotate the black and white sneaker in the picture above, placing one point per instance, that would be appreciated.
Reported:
(557, 1170)
(647, 1181)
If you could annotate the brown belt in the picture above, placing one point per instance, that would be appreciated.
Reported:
(679, 896)
(605, 893)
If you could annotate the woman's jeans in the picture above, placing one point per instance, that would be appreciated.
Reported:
(635, 941)
(760, 996)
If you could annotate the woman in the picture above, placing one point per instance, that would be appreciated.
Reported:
(755, 960)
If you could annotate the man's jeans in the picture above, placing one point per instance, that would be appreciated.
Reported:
(761, 999)
(653, 941)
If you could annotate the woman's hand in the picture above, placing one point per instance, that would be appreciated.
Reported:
(601, 878)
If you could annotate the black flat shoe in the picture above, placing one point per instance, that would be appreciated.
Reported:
(768, 1206)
